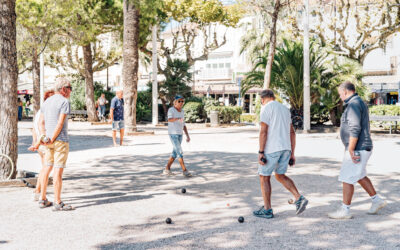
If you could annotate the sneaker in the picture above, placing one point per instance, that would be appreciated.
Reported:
(301, 204)
(167, 172)
(376, 206)
(187, 174)
(341, 213)
(263, 213)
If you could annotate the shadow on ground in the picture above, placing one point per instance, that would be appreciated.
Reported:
(219, 175)
(77, 143)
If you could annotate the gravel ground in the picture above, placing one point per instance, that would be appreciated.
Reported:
(122, 201)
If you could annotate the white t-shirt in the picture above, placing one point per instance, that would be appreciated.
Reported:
(176, 127)
(277, 117)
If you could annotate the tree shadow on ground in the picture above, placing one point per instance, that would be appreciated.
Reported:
(77, 143)
(219, 177)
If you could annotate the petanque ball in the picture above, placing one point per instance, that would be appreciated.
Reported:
(241, 219)
(291, 162)
(168, 221)
(183, 190)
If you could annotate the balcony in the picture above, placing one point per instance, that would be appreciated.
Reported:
(215, 74)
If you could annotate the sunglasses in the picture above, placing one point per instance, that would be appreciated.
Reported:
(181, 101)
(69, 87)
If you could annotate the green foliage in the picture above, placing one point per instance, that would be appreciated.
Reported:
(389, 110)
(325, 77)
(227, 114)
(248, 118)
(203, 12)
(177, 79)
(144, 106)
(78, 95)
(194, 111)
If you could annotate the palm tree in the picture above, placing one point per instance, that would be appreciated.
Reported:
(287, 78)
(131, 62)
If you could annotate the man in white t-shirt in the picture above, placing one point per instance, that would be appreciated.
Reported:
(277, 144)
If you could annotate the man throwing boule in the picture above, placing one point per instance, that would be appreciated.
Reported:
(277, 145)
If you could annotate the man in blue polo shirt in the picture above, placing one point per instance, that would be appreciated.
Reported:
(117, 116)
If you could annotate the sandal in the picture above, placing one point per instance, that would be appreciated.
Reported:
(45, 203)
(62, 207)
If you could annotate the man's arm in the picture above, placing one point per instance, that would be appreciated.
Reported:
(263, 141)
(59, 127)
(186, 133)
(42, 128)
(111, 114)
(354, 119)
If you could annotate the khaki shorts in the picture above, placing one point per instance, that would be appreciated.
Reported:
(56, 154)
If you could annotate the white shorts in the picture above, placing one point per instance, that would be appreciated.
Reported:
(352, 172)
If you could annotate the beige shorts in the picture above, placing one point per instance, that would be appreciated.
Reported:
(352, 172)
(56, 154)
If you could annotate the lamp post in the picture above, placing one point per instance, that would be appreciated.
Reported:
(41, 79)
(306, 74)
(154, 75)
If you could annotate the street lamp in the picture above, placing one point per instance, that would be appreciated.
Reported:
(306, 76)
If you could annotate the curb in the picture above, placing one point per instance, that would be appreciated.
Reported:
(22, 182)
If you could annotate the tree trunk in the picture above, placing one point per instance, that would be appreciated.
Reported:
(89, 85)
(131, 63)
(8, 88)
(36, 80)
(165, 108)
(272, 45)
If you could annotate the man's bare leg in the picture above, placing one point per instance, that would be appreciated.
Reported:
(38, 182)
(288, 184)
(169, 164)
(114, 136)
(57, 184)
(182, 163)
(45, 181)
(121, 133)
(348, 191)
(366, 184)
(265, 183)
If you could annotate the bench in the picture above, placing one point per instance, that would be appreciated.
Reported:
(80, 114)
(386, 118)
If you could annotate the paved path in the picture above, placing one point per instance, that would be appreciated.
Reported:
(122, 201)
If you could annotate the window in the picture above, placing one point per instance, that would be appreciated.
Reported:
(228, 65)
(208, 66)
(215, 65)
(221, 65)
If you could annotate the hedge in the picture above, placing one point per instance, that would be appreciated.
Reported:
(194, 111)
(227, 114)
(389, 110)
(248, 118)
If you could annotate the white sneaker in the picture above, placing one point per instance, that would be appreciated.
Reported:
(167, 172)
(376, 206)
(341, 213)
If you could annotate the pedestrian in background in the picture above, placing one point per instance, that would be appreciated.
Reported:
(117, 117)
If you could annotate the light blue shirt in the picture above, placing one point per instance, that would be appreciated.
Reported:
(51, 110)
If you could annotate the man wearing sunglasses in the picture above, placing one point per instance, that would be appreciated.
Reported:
(176, 126)
(53, 124)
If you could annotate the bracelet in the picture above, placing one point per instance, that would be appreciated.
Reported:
(261, 152)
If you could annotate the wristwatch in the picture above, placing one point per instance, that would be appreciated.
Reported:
(261, 152)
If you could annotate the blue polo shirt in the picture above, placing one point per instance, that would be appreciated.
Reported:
(118, 106)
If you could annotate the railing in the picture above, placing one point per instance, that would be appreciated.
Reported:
(216, 74)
